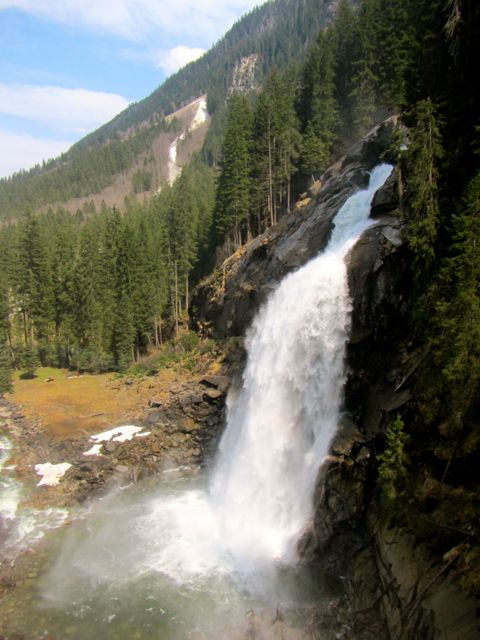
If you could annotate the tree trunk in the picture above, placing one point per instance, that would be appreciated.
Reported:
(177, 305)
(25, 332)
(270, 177)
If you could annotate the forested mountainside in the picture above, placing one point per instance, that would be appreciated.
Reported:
(275, 34)
(73, 286)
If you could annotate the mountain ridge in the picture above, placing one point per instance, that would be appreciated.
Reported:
(277, 33)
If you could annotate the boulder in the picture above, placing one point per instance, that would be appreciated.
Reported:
(385, 200)
(217, 382)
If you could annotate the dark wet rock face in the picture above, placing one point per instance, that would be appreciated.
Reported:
(226, 303)
(386, 199)
(386, 596)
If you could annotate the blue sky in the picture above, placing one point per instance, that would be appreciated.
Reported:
(68, 66)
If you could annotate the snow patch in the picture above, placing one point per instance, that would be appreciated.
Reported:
(94, 451)
(119, 434)
(51, 473)
(201, 116)
(174, 169)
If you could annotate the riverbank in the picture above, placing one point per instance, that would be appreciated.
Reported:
(150, 424)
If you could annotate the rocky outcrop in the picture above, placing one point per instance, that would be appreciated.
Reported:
(347, 541)
(243, 77)
(181, 431)
(225, 304)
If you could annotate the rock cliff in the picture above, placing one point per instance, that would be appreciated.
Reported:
(393, 591)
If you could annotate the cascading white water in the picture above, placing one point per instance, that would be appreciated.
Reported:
(280, 423)
(279, 426)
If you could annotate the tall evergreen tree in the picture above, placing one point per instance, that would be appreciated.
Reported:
(33, 282)
(457, 345)
(232, 200)
(5, 359)
(423, 155)
(318, 106)
(274, 150)
(346, 46)
(263, 158)
(395, 46)
(86, 294)
(62, 269)
(365, 80)
(123, 332)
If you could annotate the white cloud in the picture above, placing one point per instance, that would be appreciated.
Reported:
(68, 110)
(20, 151)
(134, 19)
(176, 58)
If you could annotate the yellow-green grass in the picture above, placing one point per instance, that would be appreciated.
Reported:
(70, 404)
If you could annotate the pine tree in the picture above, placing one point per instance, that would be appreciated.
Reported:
(423, 155)
(395, 47)
(123, 325)
(264, 152)
(63, 260)
(232, 202)
(86, 295)
(318, 107)
(365, 80)
(29, 361)
(111, 237)
(5, 359)
(288, 148)
(457, 345)
(33, 282)
(346, 47)
(393, 470)
(274, 150)
(314, 156)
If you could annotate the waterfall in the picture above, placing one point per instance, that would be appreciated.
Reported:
(279, 425)
(245, 522)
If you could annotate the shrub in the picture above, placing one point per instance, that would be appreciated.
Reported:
(189, 341)
(393, 469)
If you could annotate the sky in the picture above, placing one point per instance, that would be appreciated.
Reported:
(69, 66)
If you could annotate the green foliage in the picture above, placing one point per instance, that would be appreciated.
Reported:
(142, 181)
(232, 205)
(318, 108)
(5, 369)
(189, 341)
(207, 346)
(423, 155)
(29, 362)
(457, 343)
(92, 361)
(346, 44)
(5, 358)
(98, 293)
(82, 171)
(393, 470)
